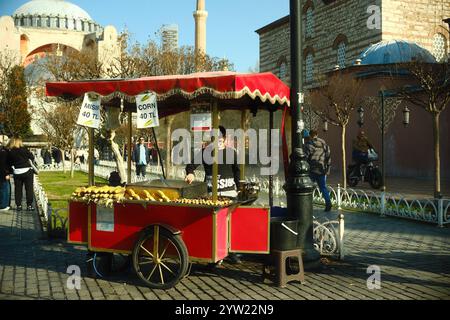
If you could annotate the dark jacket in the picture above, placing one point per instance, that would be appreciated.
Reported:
(229, 174)
(136, 156)
(4, 167)
(318, 155)
(19, 158)
(57, 155)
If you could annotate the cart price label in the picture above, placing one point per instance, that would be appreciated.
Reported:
(201, 122)
(105, 219)
(147, 111)
(90, 112)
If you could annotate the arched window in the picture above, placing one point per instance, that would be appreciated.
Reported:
(66, 22)
(48, 22)
(309, 22)
(74, 24)
(309, 67)
(58, 25)
(439, 47)
(22, 21)
(39, 22)
(341, 54)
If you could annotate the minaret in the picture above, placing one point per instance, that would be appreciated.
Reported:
(200, 17)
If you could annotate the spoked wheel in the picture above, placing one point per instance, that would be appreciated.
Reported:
(375, 179)
(160, 258)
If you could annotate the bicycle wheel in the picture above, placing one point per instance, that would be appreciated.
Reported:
(376, 179)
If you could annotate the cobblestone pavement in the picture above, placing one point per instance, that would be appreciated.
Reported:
(414, 259)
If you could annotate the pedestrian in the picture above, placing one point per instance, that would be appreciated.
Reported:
(57, 156)
(19, 160)
(96, 157)
(5, 186)
(318, 155)
(141, 157)
(360, 152)
(47, 157)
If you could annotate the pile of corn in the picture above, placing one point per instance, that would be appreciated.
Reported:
(205, 202)
(152, 195)
(100, 195)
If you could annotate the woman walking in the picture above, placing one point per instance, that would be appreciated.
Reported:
(19, 160)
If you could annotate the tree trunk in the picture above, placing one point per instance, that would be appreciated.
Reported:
(437, 157)
(63, 159)
(119, 158)
(344, 160)
(72, 167)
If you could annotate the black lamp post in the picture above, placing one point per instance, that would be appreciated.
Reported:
(299, 188)
(361, 116)
(383, 167)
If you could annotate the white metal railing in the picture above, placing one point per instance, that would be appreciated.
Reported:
(41, 198)
(389, 204)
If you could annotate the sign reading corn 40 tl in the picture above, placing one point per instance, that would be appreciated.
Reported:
(147, 111)
(90, 112)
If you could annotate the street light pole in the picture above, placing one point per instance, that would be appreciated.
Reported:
(299, 188)
(383, 167)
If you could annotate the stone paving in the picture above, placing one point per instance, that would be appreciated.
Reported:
(414, 259)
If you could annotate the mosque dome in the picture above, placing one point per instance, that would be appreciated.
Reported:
(57, 14)
(395, 51)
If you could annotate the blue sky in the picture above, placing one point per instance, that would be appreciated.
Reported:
(231, 24)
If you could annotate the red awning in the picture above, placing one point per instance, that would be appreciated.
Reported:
(175, 92)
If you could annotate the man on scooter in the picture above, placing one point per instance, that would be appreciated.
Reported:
(361, 146)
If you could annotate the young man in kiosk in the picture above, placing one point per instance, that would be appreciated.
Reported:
(228, 173)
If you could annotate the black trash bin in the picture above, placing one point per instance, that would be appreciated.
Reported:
(283, 233)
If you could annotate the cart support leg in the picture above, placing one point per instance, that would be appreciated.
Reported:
(91, 156)
(216, 150)
(130, 133)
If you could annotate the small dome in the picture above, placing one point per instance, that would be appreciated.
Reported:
(395, 51)
(52, 8)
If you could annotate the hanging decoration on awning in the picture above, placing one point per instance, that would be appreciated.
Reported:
(90, 111)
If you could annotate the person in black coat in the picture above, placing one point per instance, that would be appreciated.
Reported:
(5, 186)
(19, 160)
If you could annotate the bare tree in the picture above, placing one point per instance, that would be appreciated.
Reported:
(431, 92)
(335, 102)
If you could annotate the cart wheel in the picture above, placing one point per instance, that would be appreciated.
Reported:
(160, 258)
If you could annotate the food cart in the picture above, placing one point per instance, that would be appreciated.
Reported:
(166, 225)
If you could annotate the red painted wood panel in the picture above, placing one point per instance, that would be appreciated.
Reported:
(222, 234)
(250, 230)
(78, 222)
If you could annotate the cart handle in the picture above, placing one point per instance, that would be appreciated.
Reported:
(289, 229)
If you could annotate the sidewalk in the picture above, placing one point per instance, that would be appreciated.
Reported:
(414, 259)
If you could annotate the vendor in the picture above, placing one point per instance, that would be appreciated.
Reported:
(228, 169)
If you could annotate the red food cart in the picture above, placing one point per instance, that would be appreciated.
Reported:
(164, 238)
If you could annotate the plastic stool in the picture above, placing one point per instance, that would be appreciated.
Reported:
(282, 278)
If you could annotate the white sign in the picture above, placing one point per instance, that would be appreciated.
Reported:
(90, 112)
(201, 122)
(301, 97)
(147, 111)
(105, 219)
